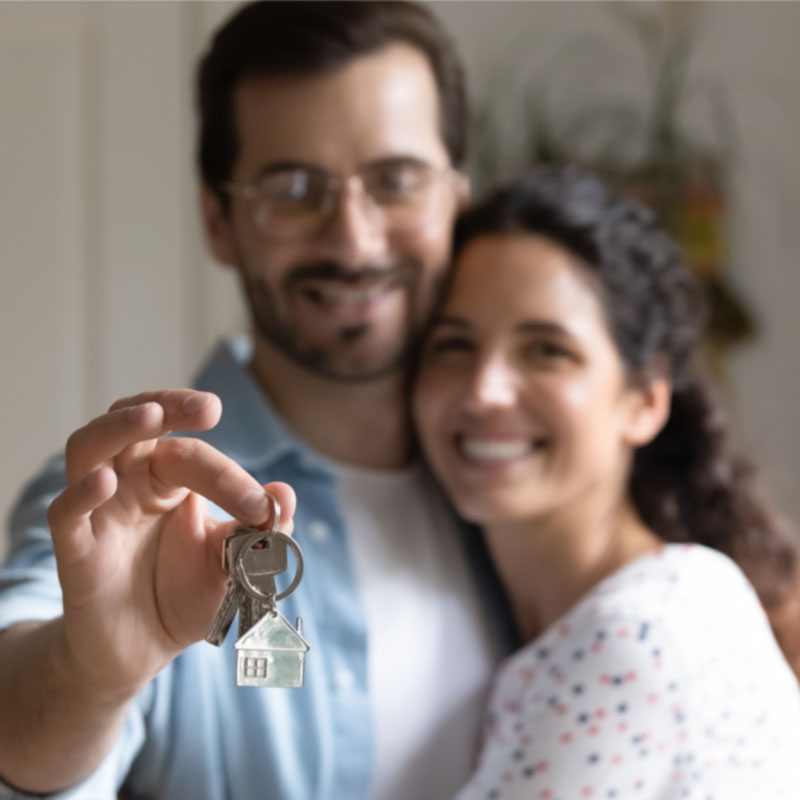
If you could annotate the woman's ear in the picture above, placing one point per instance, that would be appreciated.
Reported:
(649, 410)
(217, 227)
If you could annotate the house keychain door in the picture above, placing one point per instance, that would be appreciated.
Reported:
(270, 652)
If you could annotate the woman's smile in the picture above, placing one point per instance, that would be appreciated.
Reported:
(496, 450)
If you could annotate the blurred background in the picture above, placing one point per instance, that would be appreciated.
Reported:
(105, 287)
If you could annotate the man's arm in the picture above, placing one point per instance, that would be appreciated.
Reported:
(47, 711)
(138, 561)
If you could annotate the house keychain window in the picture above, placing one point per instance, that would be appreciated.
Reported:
(270, 651)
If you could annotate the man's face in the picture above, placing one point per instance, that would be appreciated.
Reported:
(346, 300)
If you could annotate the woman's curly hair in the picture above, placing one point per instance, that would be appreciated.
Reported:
(690, 484)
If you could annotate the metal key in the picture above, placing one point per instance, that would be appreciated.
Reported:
(260, 563)
(234, 597)
(263, 561)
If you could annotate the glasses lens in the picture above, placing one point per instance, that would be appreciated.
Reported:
(405, 191)
(290, 202)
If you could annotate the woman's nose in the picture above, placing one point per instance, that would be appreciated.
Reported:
(493, 385)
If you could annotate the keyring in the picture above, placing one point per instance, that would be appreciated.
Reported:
(244, 580)
(277, 509)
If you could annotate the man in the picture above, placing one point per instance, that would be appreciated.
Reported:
(330, 141)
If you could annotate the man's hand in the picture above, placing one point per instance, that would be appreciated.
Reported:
(139, 560)
(139, 557)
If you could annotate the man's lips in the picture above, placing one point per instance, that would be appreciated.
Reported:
(336, 293)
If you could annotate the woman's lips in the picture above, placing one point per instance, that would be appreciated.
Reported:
(497, 449)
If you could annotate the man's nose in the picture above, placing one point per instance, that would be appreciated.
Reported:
(356, 231)
(493, 385)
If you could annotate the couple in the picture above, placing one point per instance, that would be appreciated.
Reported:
(553, 401)
(556, 402)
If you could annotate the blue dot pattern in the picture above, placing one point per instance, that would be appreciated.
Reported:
(662, 682)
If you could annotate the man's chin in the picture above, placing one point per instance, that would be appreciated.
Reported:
(355, 369)
(355, 353)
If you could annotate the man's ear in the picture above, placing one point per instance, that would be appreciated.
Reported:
(217, 227)
(649, 410)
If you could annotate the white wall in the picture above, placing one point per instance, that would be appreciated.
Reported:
(105, 289)
(104, 285)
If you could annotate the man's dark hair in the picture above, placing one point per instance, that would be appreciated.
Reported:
(275, 38)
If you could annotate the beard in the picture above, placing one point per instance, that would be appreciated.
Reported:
(351, 352)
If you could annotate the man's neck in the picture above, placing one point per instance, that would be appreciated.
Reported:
(361, 423)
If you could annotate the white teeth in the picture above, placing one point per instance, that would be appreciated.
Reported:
(494, 449)
(348, 296)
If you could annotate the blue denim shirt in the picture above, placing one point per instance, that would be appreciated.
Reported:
(192, 733)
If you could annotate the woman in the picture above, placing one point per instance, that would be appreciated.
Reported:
(557, 403)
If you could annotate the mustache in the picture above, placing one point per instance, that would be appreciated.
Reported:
(334, 271)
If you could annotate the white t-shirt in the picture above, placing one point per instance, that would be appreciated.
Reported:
(428, 634)
(663, 682)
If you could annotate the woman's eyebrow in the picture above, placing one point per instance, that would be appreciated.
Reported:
(541, 326)
(527, 326)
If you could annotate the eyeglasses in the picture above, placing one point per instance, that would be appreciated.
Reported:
(296, 201)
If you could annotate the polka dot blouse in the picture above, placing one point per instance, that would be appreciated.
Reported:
(663, 682)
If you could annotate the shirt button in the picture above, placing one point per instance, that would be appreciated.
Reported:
(318, 531)
(344, 679)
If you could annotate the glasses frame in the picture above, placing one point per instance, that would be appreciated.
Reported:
(335, 186)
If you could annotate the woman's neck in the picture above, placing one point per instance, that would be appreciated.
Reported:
(548, 564)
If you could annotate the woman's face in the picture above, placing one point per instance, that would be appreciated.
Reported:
(521, 402)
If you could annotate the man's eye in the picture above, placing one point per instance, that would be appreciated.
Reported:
(296, 186)
(396, 181)
(287, 187)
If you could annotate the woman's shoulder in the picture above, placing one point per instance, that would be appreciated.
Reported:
(671, 564)
(685, 606)
(698, 597)
(679, 584)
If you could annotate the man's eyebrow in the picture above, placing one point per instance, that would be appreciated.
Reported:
(289, 164)
(398, 160)
(280, 166)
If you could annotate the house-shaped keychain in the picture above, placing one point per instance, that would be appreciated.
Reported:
(271, 653)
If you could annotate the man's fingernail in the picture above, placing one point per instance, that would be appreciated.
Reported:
(195, 403)
(255, 506)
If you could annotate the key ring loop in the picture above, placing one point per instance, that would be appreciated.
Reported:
(244, 580)
(276, 508)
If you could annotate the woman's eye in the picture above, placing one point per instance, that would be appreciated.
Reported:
(549, 351)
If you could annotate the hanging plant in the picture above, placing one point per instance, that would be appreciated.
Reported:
(646, 147)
